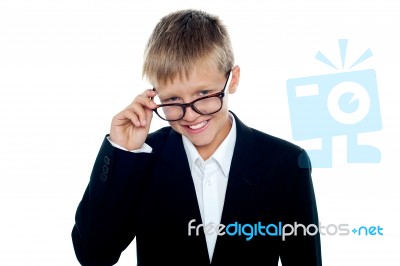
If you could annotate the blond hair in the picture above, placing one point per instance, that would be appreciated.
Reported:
(185, 40)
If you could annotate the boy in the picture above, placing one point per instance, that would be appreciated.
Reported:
(208, 190)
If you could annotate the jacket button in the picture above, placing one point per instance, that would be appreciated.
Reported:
(103, 177)
(106, 160)
(105, 169)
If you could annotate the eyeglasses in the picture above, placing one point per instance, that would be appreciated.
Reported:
(205, 106)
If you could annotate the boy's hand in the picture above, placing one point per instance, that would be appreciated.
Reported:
(130, 127)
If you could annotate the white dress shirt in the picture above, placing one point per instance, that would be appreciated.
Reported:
(210, 180)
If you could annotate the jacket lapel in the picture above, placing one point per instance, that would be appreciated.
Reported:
(184, 202)
(177, 171)
(241, 176)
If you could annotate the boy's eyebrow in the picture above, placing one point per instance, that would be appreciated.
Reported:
(195, 90)
(203, 85)
(164, 95)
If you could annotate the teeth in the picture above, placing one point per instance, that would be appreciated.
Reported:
(199, 125)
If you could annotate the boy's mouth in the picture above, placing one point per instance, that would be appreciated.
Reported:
(199, 125)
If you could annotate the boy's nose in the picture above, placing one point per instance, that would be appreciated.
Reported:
(190, 114)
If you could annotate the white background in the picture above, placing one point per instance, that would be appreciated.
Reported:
(67, 66)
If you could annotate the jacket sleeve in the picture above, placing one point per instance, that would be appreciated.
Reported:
(105, 218)
(303, 246)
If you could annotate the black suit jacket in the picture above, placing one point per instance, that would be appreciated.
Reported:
(151, 196)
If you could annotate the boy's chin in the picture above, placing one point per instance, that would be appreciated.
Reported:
(200, 141)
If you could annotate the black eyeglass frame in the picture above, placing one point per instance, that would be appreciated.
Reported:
(220, 95)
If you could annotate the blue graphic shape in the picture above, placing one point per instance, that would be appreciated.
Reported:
(321, 57)
(328, 105)
(343, 50)
(348, 103)
(367, 54)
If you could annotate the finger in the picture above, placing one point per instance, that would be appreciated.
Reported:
(129, 114)
(140, 111)
(125, 118)
(146, 102)
(150, 93)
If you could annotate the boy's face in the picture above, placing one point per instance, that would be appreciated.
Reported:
(206, 132)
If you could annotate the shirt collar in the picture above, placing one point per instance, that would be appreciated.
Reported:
(224, 153)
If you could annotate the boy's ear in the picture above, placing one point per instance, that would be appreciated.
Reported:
(235, 79)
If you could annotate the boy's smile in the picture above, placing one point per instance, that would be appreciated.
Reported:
(197, 128)
(206, 132)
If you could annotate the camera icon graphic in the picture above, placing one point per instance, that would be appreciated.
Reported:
(344, 103)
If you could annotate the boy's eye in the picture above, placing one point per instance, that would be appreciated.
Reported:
(170, 100)
(203, 93)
